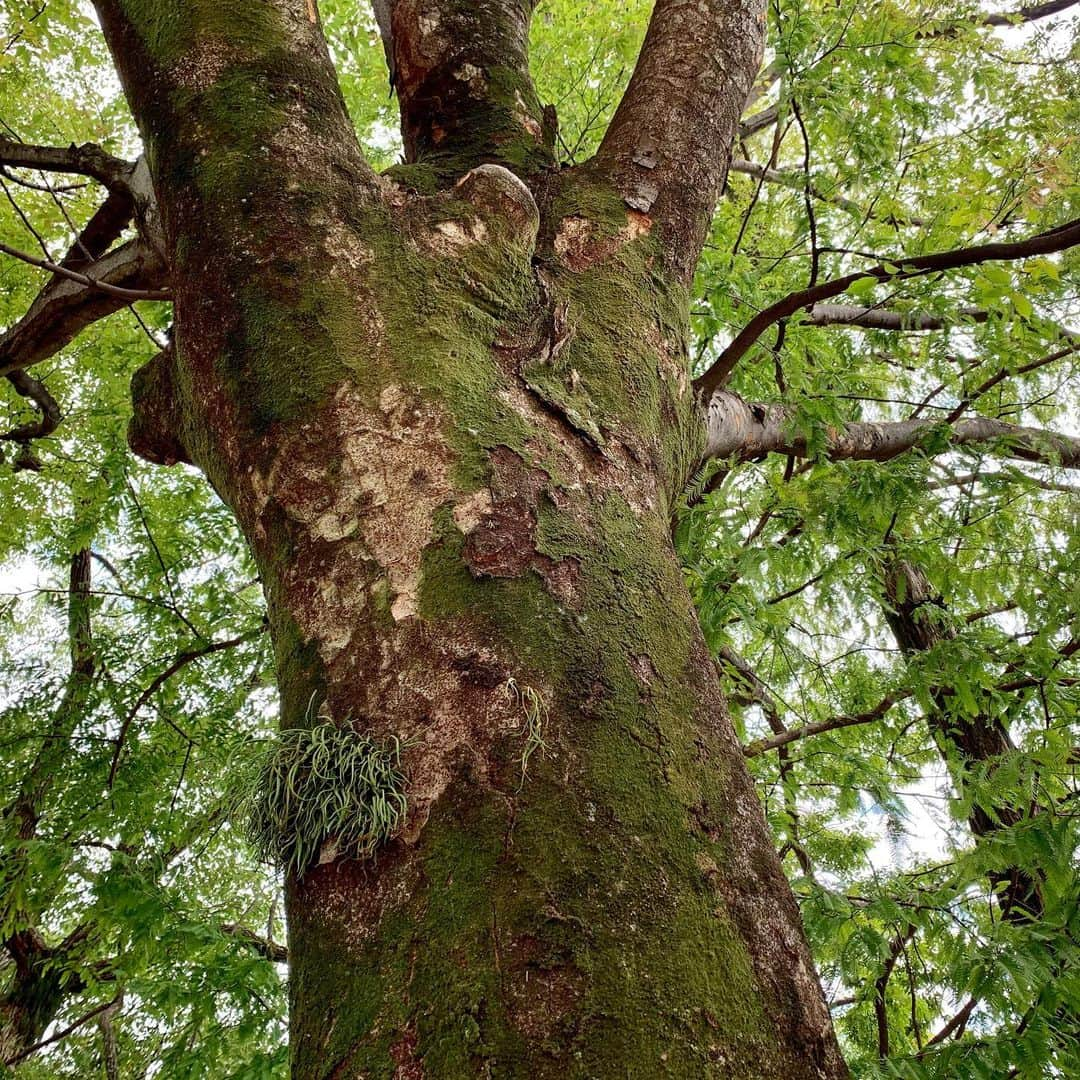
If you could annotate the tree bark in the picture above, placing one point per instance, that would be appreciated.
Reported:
(452, 427)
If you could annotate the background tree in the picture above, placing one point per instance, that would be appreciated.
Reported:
(880, 324)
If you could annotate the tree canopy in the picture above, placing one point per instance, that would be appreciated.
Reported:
(885, 562)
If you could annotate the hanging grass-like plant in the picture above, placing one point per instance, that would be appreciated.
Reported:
(325, 790)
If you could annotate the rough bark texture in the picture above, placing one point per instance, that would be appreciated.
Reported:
(452, 426)
(698, 61)
(461, 74)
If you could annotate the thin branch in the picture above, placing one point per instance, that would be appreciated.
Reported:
(180, 661)
(901, 268)
(880, 318)
(955, 1027)
(84, 279)
(64, 1032)
(835, 723)
(797, 182)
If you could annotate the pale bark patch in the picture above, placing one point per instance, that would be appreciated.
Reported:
(366, 484)
(200, 68)
(579, 242)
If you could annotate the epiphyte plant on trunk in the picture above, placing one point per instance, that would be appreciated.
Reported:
(451, 408)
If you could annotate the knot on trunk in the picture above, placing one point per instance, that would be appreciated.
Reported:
(154, 430)
(504, 201)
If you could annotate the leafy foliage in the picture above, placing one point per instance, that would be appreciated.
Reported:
(897, 128)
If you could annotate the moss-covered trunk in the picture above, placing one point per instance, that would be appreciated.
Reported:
(451, 420)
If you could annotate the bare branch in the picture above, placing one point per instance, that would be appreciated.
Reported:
(902, 268)
(759, 121)
(746, 430)
(69, 303)
(669, 143)
(86, 160)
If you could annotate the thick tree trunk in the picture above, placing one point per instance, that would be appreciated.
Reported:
(451, 427)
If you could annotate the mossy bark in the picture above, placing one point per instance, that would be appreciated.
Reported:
(452, 427)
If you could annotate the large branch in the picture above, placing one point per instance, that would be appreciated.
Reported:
(669, 143)
(86, 160)
(66, 305)
(1030, 13)
(461, 72)
(745, 430)
(899, 269)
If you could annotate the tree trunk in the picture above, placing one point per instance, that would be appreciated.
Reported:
(452, 427)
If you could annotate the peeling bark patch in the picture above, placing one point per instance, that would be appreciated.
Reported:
(372, 495)
(580, 243)
(500, 529)
(644, 669)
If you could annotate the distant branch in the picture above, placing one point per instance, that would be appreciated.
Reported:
(797, 182)
(1031, 13)
(899, 269)
(875, 318)
(181, 660)
(271, 950)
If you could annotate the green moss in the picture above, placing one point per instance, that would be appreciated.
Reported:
(416, 177)
(580, 933)
(168, 29)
